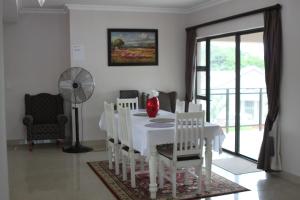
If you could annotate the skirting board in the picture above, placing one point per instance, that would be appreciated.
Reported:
(288, 176)
(23, 142)
(97, 145)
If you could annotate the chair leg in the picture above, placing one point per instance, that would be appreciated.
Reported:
(161, 174)
(199, 179)
(124, 167)
(173, 171)
(117, 165)
(142, 164)
(109, 151)
(186, 177)
(30, 145)
(60, 143)
(132, 169)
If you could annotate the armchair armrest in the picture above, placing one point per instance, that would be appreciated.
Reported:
(28, 120)
(62, 119)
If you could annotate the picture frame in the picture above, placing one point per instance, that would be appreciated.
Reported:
(132, 47)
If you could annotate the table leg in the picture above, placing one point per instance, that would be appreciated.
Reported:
(153, 172)
(208, 161)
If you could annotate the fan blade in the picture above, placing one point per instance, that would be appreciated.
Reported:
(87, 91)
(74, 72)
(85, 84)
(88, 88)
(80, 95)
(65, 76)
(83, 76)
(85, 79)
(66, 84)
(80, 73)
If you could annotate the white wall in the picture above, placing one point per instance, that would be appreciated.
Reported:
(36, 52)
(89, 28)
(290, 90)
(4, 195)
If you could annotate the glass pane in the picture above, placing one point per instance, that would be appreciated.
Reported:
(253, 102)
(201, 53)
(201, 83)
(222, 87)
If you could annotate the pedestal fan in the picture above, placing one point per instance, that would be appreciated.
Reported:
(76, 85)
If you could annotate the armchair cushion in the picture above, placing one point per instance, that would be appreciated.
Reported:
(42, 131)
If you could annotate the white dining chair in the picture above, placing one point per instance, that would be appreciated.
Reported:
(194, 107)
(132, 103)
(185, 152)
(113, 146)
(180, 106)
(127, 150)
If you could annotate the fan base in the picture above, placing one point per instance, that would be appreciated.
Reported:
(77, 149)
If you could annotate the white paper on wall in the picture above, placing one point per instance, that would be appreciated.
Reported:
(77, 56)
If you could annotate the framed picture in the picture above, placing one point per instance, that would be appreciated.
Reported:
(132, 47)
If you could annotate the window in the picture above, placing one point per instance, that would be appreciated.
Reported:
(249, 107)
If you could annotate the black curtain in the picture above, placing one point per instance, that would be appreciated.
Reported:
(190, 65)
(273, 65)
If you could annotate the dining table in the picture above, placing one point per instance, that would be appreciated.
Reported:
(150, 132)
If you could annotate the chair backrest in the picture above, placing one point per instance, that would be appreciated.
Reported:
(188, 138)
(143, 100)
(194, 107)
(111, 128)
(132, 103)
(44, 107)
(125, 134)
(167, 101)
(125, 94)
(180, 106)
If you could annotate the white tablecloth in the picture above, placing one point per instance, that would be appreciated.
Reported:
(145, 137)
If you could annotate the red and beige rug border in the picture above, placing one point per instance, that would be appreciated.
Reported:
(127, 195)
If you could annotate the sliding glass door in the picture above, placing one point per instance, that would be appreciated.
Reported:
(223, 87)
(230, 84)
(253, 99)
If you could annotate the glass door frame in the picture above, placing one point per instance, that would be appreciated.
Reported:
(206, 68)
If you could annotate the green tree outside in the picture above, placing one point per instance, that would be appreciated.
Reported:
(223, 59)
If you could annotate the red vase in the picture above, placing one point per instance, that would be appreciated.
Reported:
(152, 106)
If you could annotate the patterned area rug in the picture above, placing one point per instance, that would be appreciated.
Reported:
(123, 191)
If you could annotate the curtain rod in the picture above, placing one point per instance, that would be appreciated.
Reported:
(253, 12)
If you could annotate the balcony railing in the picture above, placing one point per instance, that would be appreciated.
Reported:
(253, 107)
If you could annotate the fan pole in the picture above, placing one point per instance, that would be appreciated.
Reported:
(77, 148)
(77, 144)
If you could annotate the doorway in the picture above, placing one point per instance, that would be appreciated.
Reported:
(230, 85)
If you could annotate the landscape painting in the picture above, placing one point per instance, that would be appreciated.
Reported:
(132, 47)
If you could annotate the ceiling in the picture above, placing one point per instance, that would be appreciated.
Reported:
(172, 4)
(12, 8)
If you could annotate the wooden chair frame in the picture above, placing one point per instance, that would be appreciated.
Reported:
(187, 149)
(180, 106)
(112, 140)
(194, 107)
(132, 103)
(127, 150)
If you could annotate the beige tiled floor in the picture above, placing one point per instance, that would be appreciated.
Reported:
(49, 174)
